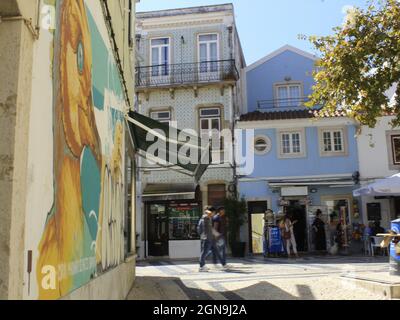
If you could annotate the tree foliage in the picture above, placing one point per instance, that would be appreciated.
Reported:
(359, 63)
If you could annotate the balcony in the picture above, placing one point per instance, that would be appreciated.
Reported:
(186, 74)
(282, 104)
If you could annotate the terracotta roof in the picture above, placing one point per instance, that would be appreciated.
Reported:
(289, 114)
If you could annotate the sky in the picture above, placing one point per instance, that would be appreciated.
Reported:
(266, 25)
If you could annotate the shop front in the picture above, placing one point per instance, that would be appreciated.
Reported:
(171, 216)
(301, 199)
(340, 215)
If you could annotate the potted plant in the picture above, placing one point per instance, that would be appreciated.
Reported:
(236, 215)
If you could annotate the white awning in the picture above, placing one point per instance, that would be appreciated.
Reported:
(385, 187)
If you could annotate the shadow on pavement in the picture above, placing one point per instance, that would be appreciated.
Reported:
(172, 288)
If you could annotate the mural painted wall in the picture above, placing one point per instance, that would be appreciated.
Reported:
(81, 231)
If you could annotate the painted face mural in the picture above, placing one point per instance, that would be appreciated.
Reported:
(83, 235)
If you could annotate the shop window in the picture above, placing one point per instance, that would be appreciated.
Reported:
(216, 195)
(183, 220)
(339, 213)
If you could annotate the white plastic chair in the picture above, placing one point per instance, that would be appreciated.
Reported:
(375, 242)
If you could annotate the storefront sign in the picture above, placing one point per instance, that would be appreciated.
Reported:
(294, 191)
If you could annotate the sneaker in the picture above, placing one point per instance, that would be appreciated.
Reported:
(203, 269)
(226, 267)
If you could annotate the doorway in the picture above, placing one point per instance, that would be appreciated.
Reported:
(256, 226)
(157, 230)
(298, 213)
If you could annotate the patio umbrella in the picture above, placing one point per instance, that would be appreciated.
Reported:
(385, 187)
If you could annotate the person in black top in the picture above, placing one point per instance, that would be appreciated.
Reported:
(376, 229)
(319, 232)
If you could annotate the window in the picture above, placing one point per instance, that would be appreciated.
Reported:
(393, 149)
(210, 125)
(288, 95)
(216, 194)
(183, 219)
(395, 142)
(160, 56)
(161, 116)
(291, 143)
(208, 52)
(262, 144)
(332, 141)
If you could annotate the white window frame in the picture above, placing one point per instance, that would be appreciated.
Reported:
(302, 137)
(159, 48)
(162, 120)
(333, 152)
(210, 120)
(287, 85)
(208, 50)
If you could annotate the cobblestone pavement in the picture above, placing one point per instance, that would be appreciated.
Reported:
(306, 278)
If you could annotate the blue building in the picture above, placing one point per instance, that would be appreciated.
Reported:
(301, 162)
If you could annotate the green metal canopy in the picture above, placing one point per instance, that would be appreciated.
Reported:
(172, 150)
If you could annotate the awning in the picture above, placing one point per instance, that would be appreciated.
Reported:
(385, 187)
(325, 181)
(174, 147)
(166, 192)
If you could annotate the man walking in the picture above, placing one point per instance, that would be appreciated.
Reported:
(219, 224)
(207, 238)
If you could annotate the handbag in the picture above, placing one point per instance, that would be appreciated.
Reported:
(287, 235)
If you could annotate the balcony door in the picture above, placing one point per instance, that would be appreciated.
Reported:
(160, 58)
(208, 56)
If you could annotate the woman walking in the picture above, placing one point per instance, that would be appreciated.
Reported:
(288, 235)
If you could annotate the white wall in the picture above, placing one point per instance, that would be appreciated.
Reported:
(373, 151)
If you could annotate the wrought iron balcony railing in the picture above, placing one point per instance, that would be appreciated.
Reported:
(282, 104)
(186, 73)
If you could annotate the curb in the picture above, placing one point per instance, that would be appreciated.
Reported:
(388, 289)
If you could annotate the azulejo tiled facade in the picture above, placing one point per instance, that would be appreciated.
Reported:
(189, 60)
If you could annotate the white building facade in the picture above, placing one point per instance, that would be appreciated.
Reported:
(187, 75)
(379, 157)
